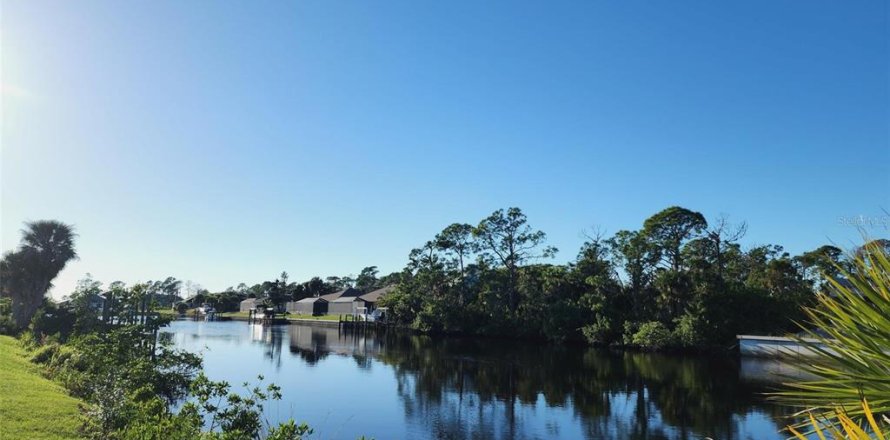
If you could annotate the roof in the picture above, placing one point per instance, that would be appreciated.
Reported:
(249, 299)
(375, 295)
(350, 292)
(91, 296)
(311, 300)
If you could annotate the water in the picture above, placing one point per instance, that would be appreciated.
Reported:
(399, 386)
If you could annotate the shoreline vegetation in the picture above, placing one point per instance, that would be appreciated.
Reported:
(684, 285)
(680, 282)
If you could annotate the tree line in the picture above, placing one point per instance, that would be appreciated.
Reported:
(277, 292)
(678, 281)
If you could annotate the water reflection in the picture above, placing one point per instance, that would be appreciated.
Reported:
(453, 388)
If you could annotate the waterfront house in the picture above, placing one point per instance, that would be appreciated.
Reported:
(371, 299)
(341, 302)
(92, 301)
(248, 304)
(342, 306)
(345, 293)
(308, 306)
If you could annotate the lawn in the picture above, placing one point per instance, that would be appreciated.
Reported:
(317, 318)
(291, 316)
(31, 406)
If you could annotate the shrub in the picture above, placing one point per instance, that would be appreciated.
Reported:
(629, 329)
(7, 324)
(652, 336)
(50, 320)
(600, 332)
(45, 353)
(689, 332)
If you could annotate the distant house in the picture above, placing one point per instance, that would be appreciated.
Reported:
(371, 299)
(94, 302)
(340, 303)
(308, 306)
(248, 304)
(345, 305)
(349, 292)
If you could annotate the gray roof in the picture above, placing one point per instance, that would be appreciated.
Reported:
(350, 292)
(311, 300)
(375, 295)
(345, 299)
(249, 299)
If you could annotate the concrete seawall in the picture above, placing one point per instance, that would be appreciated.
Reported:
(774, 346)
(298, 321)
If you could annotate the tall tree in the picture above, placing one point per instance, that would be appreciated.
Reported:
(820, 264)
(277, 292)
(638, 257)
(508, 239)
(456, 241)
(27, 274)
(672, 227)
(367, 279)
(722, 235)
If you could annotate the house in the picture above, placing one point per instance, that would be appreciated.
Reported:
(92, 301)
(345, 305)
(349, 303)
(308, 306)
(371, 299)
(248, 304)
(349, 292)
(340, 302)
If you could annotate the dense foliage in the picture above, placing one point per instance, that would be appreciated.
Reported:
(106, 348)
(117, 359)
(678, 282)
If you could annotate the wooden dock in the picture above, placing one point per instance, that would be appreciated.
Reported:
(350, 322)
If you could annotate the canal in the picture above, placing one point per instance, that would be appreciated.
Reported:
(398, 386)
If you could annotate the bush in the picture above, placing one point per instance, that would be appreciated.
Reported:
(600, 332)
(653, 336)
(7, 324)
(689, 332)
(50, 320)
(45, 353)
(630, 328)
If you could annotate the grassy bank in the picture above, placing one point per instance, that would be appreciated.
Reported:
(32, 406)
(244, 315)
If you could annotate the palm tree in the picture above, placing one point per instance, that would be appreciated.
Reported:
(26, 274)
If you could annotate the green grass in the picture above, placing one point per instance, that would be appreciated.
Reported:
(317, 318)
(31, 406)
(291, 316)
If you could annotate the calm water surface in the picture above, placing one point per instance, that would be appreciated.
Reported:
(398, 386)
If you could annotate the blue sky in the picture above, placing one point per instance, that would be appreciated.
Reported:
(224, 142)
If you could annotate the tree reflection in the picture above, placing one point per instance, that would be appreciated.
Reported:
(483, 389)
(479, 388)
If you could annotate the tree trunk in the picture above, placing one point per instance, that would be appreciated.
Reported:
(23, 308)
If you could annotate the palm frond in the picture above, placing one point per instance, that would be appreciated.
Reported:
(849, 333)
